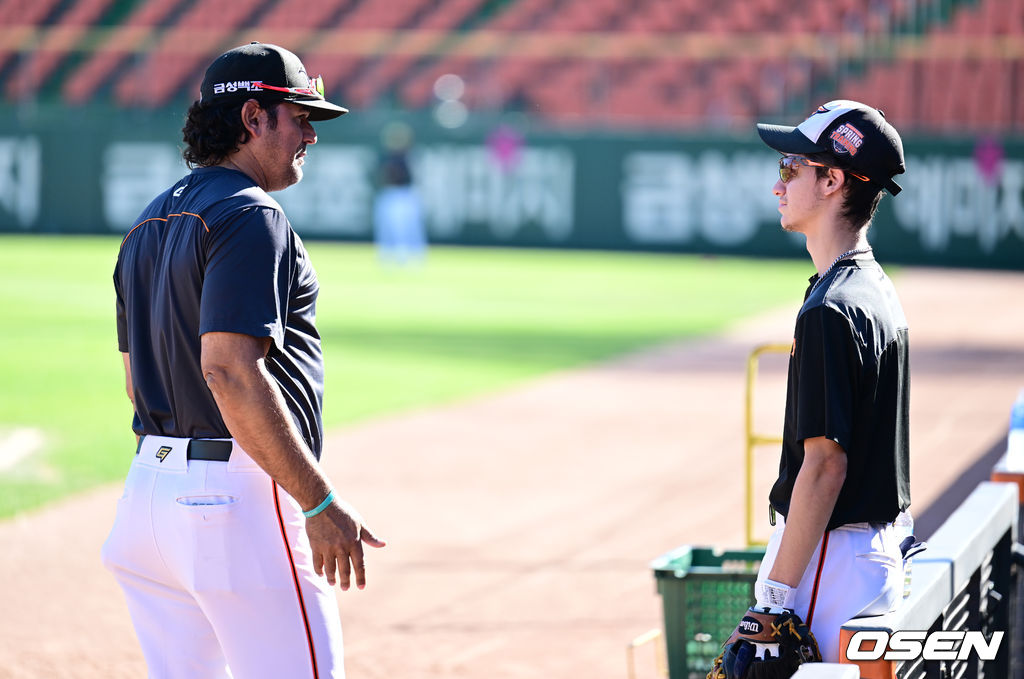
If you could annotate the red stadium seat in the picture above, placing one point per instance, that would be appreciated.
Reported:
(369, 48)
(63, 36)
(125, 40)
(28, 15)
(183, 52)
(307, 14)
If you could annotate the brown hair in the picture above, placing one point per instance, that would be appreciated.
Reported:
(212, 132)
(860, 198)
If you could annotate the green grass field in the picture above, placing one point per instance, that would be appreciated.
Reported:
(470, 321)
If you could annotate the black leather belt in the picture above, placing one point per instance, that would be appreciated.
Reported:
(205, 449)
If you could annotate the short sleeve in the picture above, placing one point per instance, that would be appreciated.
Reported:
(830, 367)
(249, 261)
(122, 318)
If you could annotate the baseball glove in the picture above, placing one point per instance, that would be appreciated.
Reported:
(769, 643)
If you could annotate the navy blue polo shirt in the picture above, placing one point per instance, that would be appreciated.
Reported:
(215, 253)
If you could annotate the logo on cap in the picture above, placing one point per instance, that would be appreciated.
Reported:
(236, 85)
(846, 139)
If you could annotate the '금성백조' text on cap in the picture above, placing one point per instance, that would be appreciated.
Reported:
(856, 135)
(263, 71)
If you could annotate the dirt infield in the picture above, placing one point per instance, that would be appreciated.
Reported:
(521, 524)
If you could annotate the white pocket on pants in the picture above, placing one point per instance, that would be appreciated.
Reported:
(883, 573)
(206, 500)
(228, 544)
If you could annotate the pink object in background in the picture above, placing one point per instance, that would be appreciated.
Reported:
(988, 157)
(505, 144)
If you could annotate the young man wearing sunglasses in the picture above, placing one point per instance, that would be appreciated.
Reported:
(228, 538)
(844, 474)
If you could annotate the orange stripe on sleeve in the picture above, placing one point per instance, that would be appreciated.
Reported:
(193, 214)
(164, 219)
(160, 219)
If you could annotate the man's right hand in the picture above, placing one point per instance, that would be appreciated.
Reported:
(336, 536)
(255, 412)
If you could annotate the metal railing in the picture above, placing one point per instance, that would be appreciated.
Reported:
(966, 581)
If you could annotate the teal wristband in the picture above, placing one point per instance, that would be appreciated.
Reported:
(320, 507)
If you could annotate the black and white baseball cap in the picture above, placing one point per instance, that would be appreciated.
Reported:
(266, 72)
(856, 135)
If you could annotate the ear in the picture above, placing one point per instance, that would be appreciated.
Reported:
(834, 180)
(253, 117)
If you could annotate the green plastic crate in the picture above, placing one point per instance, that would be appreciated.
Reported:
(704, 593)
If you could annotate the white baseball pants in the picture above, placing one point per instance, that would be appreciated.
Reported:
(856, 571)
(215, 564)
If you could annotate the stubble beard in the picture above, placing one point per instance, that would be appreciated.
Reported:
(297, 163)
(291, 175)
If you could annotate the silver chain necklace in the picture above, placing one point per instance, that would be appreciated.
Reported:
(848, 253)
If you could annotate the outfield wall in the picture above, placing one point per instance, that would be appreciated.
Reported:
(502, 182)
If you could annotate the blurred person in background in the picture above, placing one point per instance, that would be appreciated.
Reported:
(229, 539)
(398, 226)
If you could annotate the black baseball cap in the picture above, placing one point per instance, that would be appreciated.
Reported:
(856, 135)
(266, 72)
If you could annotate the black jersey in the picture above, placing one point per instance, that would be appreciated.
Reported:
(215, 253)
(849, 381)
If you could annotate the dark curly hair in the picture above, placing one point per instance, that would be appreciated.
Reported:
(212, 132)
(860, 198)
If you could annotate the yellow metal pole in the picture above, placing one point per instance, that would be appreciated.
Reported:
(752, 438)
(749, 446)
(651, 636)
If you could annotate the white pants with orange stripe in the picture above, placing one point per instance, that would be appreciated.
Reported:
(215, 564)
(856, 571)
